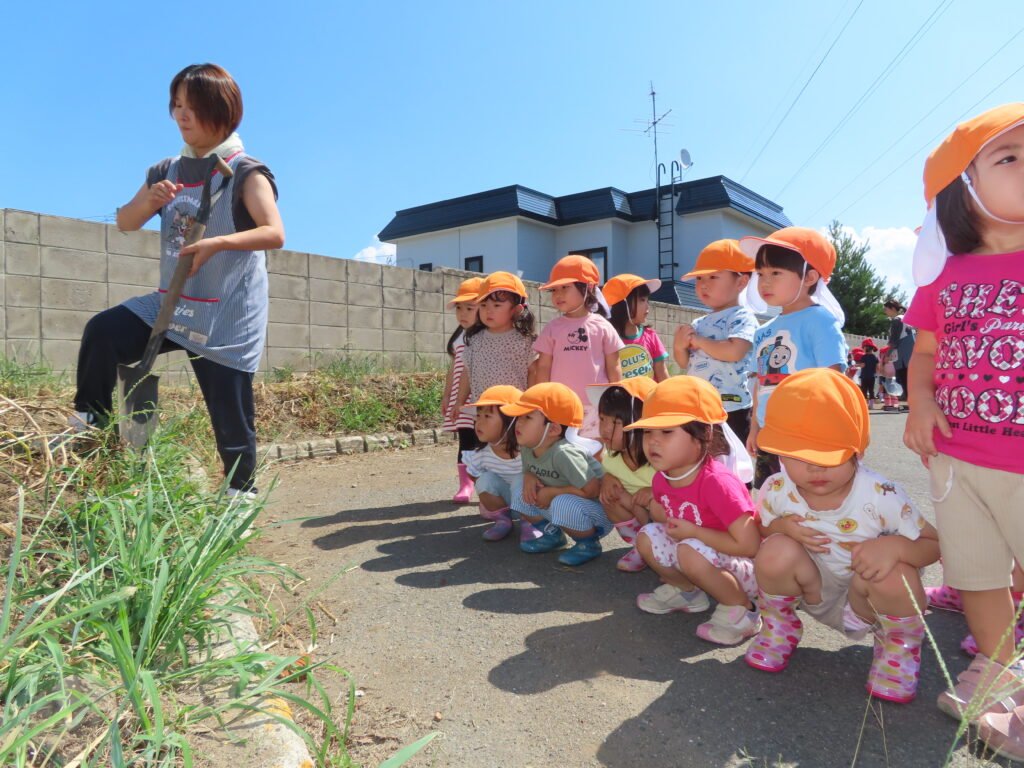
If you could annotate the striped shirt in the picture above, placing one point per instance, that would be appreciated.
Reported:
(463, 419)
(485, 460)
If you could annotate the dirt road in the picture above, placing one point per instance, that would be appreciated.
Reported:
(518, 661)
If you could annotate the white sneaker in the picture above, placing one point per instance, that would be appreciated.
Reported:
(669, 599)
(729, 625)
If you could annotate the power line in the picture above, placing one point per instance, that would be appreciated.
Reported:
(928, 114)
(801, 93)
(931, 141)
(889, 68)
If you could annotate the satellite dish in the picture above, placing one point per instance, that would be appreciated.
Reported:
(684, 158)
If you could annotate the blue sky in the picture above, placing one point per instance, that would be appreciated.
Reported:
(362, 109)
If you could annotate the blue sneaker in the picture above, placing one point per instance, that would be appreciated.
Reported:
(582, 552)
(552, 538)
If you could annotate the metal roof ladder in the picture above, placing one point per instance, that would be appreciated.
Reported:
(665, 218)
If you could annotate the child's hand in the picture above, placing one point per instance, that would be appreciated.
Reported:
(530, 487)
(919, 433)
(642, 498)
(815, 541)
(611, 488)
(752, 437)
(161, 193)
(684, 336)
(681, 529)
(545, 496)
(873, 560)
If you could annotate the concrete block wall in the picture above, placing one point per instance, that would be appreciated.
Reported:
(56, 273)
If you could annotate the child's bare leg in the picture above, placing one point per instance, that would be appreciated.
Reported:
(1018, 578)
(720, 584)
(668, 575)
(783, 567)
(617, 513)
(990, 617)
(890, 595)
(580, 534)
(492, 502)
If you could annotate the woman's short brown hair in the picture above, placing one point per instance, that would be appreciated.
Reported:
(212, 94)
(958, 218)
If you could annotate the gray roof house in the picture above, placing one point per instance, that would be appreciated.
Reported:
(519, 229)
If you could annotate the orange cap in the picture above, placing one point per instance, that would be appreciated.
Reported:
(468, 289)
(620, 286)
(679, 400)
(500, 281)
(572, 269)
(868, 343)
(816, 415)
(813, 246)
(639, 387)
(721, 255)
(502, 394)
(556, 401)
(958, 150)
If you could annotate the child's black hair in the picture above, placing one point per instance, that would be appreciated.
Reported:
(958, 219)
(617, 403)
(623, 311)
(508, 443)
(522, 321)
(783, 258)
(590, 298)
(450, 346)
(710, 436)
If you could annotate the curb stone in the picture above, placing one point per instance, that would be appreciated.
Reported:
(344, 446)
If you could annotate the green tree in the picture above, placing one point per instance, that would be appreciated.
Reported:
(859, 289)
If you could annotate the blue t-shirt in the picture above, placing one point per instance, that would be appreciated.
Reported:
(729, 378)
(808, 338)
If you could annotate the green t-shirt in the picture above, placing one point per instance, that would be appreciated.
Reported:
(562, 464)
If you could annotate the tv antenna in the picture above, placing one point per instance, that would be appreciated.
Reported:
(652, 126)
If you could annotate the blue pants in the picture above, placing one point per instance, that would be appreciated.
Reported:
(566, 511)
(496, 485)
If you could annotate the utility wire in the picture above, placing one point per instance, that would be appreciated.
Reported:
(889, 68)
(801, 93)
(928, 114)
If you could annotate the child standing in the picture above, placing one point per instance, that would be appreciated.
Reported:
(890, 388)
(965, 391)
(705, 533)
(499, 348)
(580, 347)
(629, 297)
(455, 419)
(868, 371)
(719, 346)
(839, 537)
(626, 485)
(497, 466)
(561, 481)
(221, 317)
(792, 269)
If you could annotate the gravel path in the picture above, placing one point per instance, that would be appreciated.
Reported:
(518, 661)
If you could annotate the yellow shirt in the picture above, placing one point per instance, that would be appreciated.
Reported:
(632, 481)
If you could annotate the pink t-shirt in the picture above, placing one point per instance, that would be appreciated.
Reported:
(578, 346)
(976, 312)
(640, 362)
(715, 499)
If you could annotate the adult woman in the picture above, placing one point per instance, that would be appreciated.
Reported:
(901, 339)
(221, 317)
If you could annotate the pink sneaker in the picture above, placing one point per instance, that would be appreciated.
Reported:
(631, 562)
(944, 598)
(970, 646)
(528, 531)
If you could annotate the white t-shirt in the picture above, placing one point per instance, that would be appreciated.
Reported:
(875, 507)
(486, 460)
(729, 378)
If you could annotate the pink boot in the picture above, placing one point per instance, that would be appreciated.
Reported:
(465, 492)
(781, 630)
(527, 531)
(944, 598)
(502, 523)
(970, 646)
(894, 670)
(631, 562)
(628, 530)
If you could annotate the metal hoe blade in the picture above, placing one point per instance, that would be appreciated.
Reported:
(137, 399)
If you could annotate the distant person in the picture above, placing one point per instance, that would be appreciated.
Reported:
(221, 317)
(901, 339)
(868, 370)
(719, 347)
(458, 420)
(629, 298)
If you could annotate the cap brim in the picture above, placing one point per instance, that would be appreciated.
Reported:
(468, 298)
(780, 443)
(596, 391)
(751, 245)
(661, 422)
(482, 402)
(515, 409)
(556, 283)
(698, 273)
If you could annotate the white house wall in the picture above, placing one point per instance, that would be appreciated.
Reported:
(695, 230)
(496, 241)
(536, 249)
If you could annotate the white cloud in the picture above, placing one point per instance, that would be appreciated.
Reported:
(378, 253)
(889, 253)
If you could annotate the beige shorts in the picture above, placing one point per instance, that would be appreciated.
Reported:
(980, 516)
(835, 610)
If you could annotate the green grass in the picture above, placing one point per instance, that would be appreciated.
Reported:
(18, 379)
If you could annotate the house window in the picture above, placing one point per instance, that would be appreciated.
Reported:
(600, 257)
(427, 266)
(474, 263)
